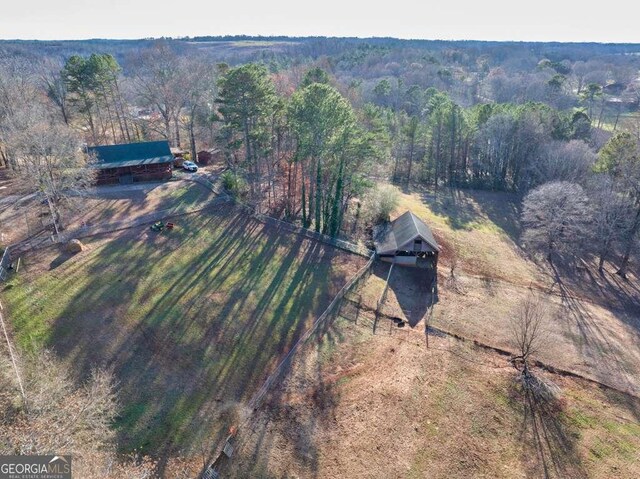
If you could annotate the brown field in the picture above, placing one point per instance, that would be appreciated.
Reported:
(193, 322)
(362, 406)
(594, 328)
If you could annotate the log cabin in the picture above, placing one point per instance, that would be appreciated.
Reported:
(132, 162)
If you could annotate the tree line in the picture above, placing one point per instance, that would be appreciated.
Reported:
(598, 215)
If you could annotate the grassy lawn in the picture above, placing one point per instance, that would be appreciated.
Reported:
(480, 227)
(190, 320)
(363, 405)
(111, 206)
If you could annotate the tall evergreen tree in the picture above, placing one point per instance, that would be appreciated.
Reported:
(246, 101)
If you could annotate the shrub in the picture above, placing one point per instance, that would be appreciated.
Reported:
(380, 203)
(233, 183)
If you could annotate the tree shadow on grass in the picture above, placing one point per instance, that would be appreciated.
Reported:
(191, 339)
(300, 410)
(607, 288)
(550, 441)
(60, 259)
(611, 363)
(464, 208)
(626, 401)
(123, 205)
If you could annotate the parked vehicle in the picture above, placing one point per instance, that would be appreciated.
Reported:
(190, 166)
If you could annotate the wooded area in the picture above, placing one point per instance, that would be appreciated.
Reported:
(308, 127)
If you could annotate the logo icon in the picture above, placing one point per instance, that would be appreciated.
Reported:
(35, 467)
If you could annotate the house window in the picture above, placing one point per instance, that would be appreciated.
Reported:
(417, 245)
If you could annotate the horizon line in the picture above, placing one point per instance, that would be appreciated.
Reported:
(304, 37)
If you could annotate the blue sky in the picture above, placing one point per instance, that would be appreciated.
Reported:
(542, 20)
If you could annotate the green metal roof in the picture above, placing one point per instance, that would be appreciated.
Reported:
(131, 154)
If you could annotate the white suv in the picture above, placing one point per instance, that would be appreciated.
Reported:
(190, 166)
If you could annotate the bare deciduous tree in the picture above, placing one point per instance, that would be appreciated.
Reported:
(528, 334)
(528, 327)
(56, 88)
(555, 217)
(562, 161)
(159, 84)
(612, 215)
(65, 418)
(52, 163)
(453, 281)
(17, 91)
(200, 85)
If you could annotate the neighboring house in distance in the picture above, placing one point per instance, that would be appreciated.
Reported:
(132, 162)
(407, 241)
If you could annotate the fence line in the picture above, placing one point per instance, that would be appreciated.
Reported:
(208, 184)
(383, 297)
(338, 243)
(13, 358)
(255, 402)
(252, 210)
(5, 264)
(90, 230)
(94, 229)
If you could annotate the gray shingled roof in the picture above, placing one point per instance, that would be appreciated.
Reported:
(131, 154)
(401, 231)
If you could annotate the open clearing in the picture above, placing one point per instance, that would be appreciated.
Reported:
(191, 320)
(362, 406)
(112, 204)
(595, 328)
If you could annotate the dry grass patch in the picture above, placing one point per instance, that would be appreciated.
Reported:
(480, 227)
(357, 405)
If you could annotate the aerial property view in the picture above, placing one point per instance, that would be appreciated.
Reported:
(303, 254)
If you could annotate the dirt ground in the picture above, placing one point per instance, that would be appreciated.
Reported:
(9, 185)
(105, 204)
(117, 204)
(359, 405)
(594, 323)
